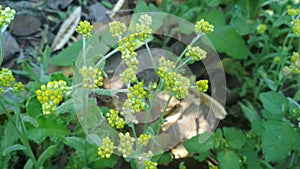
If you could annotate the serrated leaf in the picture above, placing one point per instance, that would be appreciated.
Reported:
(12, 148)
(226, 40)
(278, 140)
(48, 127)
(235, 138)
(66, 30)
(8, 138)
(46, 155)
(228, 160)
(76, 143)
(66, 56)
(274, 103)
(30, 120)
(34, 107)
(200, 143)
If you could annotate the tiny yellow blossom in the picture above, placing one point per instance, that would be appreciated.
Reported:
(203, 26)
(85, 28)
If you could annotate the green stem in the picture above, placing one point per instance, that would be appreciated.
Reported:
(187, 60)
(164, 112)
(133, 129)
(107, 56)
(22, 136)
(84, 50)
(1, 48)
(191, 44)
(150, 54)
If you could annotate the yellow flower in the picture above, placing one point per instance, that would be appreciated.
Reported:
(196, 53)
(296, 26)
(18, 87)
(114, 120)
(92, 77)
(116, 28)
(6, 77)
(106, 149)
(126, 143)
(6, 16)
(202, 85)
(261, 29)
(85, 28)
(203, 26)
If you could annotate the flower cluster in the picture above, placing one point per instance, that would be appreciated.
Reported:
(117, 29)
(196, 53)
(92, 77)
(114, 120)
(129, 74)
(293, 12)
(51, 95)
(295, 66)
(296, 27)
(143, 139)
(150, 164)
(85, 28)
(126, 143)
(143, 27)
(203, 26)
(261, 29)
(126, 47)
(6, 77)
(135, 99)
(106, 149)
(173, 81)
(6, 16)
(202, 85)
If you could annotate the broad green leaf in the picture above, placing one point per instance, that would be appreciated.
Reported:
(104, 163)
(226, 40)
(78, 144)
(212, 3)
(49, 126)
(274, 103)
(200, 143)
(165, 158)
(228, 160)
(242, 25)
(30, 120)
(56, 76)
(143, 7)
(201, 157)
(67, 106)
(278, 140)
(46, 154)
(34, 107)
(214, 17)
(65, 57)
(8, 138)
(12, 148)
(257, 126)
(235, 138)
(297, 96)
(252, 160)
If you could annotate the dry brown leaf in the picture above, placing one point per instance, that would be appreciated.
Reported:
(66, 30)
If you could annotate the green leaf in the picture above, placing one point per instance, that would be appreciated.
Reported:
(67, 106)
(46, 155)
(65, 57)
(12, 148)
(78, 144)
(104, 163)
(249, 111)
(56, 76)
(226, 39)
(297, 96)
(143, 7)
(200, 143)
(242, 25)
(274, 103)
(252, 160)
(30, 120)
(46, 56)
(228, 160)
(8, 138)
(29, 164)
(49, 126)
(212, 3)
(165, 158)
(31, 73)
(235, 138)
(34, 107)
(278, 140)
(214, 17)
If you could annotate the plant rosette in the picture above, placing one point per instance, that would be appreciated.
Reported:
(136, 97)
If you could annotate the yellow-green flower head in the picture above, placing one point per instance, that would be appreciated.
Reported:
(114, 120)
(261, 29)
(107, 148)
(137, 91)
(1, 91)
(18, 87)
(6, 77)
(143, 27)
(92, 77)
(295, 57)
(203, 26)
(6, 16)
(126, 143)
(85, 28)
(296, 26)
(295, 66)
(196, 53)
(293, 12)
(181, 86)
(51, 95)
(117, 29)
(143, 139)
(150, 165)
(129, 75)
(276, 59)
(202, 85)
